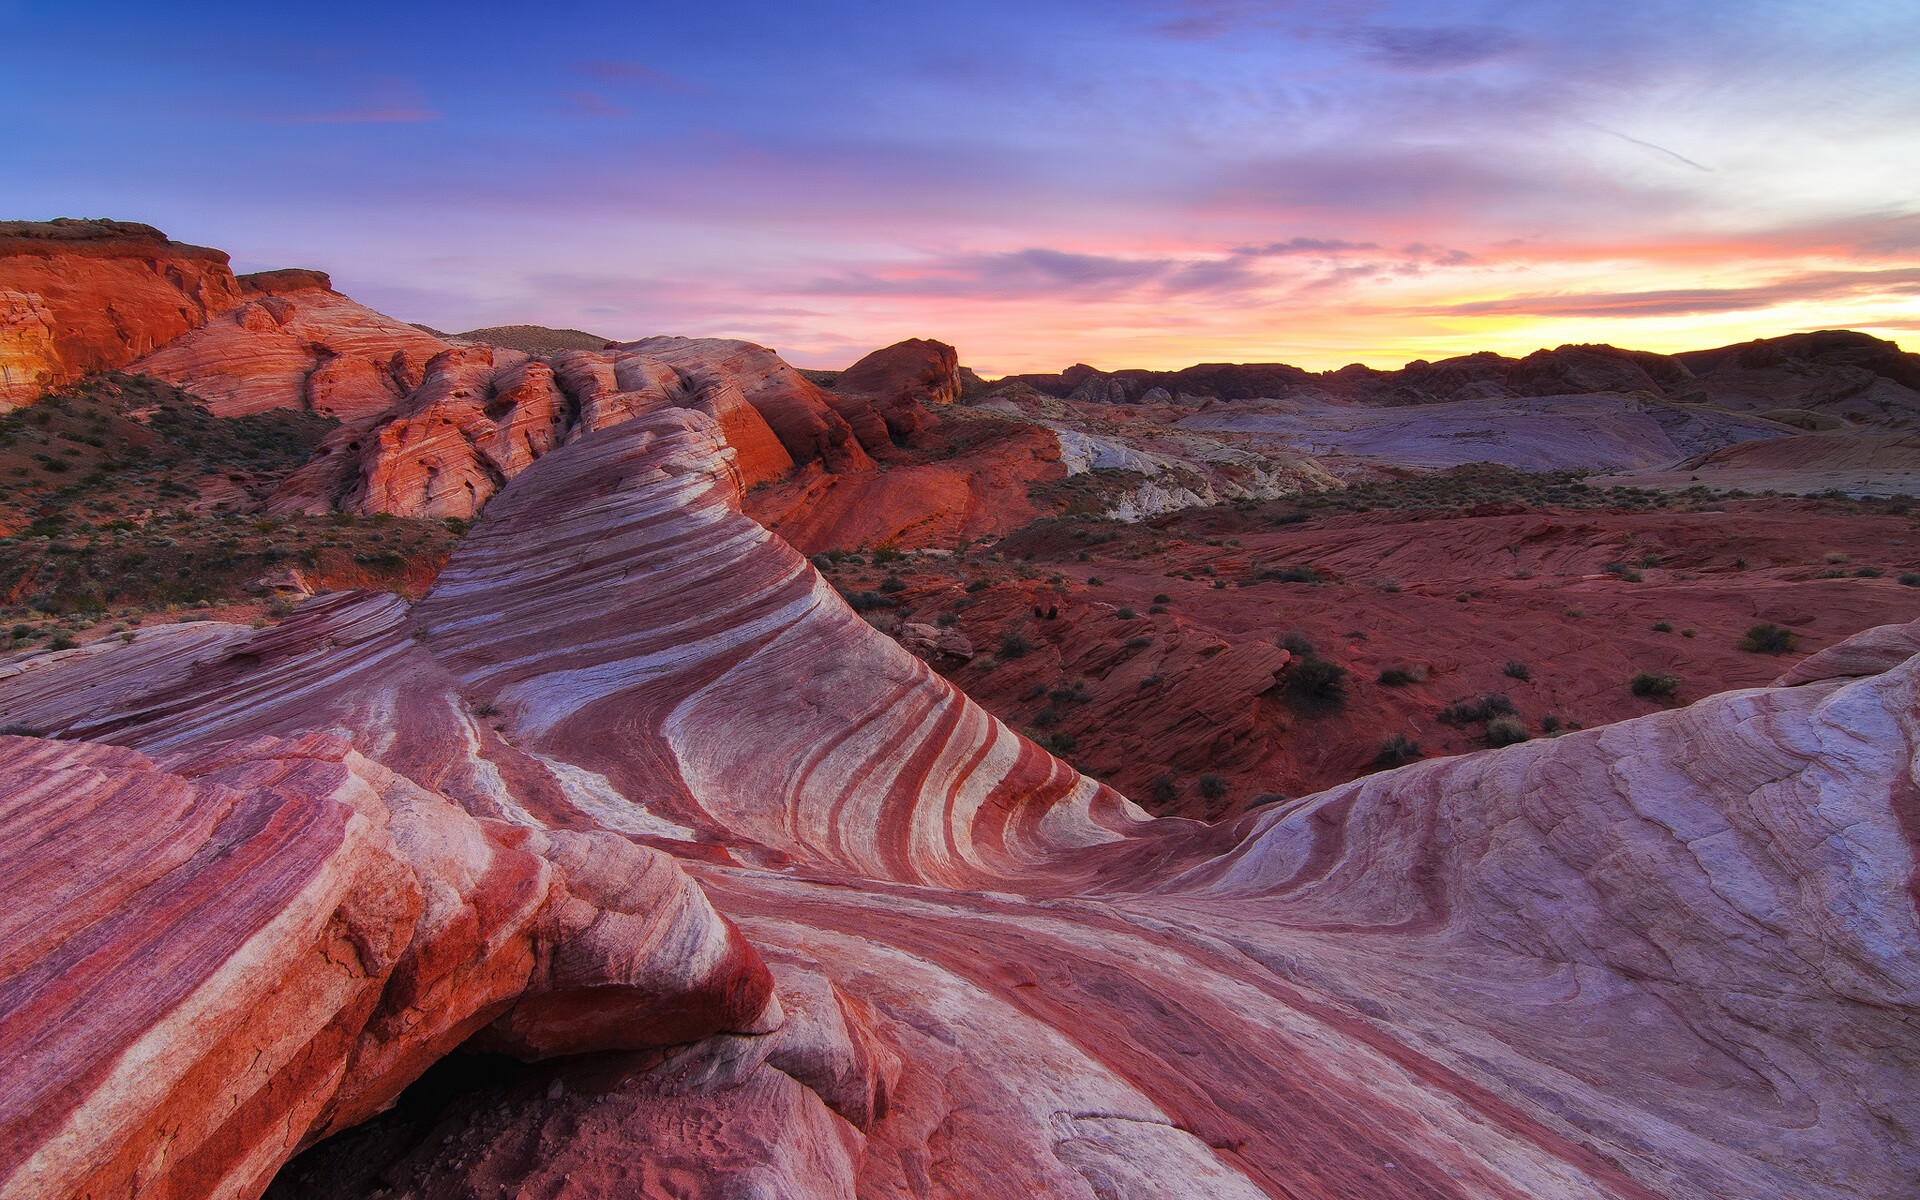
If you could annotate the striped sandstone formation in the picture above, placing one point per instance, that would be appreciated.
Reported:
(1677, 956)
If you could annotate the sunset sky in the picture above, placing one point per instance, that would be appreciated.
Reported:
(1040, 182)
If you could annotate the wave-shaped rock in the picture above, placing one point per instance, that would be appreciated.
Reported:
(215, 959)
(1676, 956)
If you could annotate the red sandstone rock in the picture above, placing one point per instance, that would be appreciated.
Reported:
(800, 412)
(29, 360)
(296, 343)
(900, 381)
(114, 291)
(243, 949)
(1677, 956)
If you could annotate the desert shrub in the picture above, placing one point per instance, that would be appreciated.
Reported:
(1162, 598)
(1549, 724)
(1869, 573)
(1836, 558)
(1125, 613)
(1505, 731)
(1466, 712)
(1769, 639)
(1651, 686)
(1663, 627)
(1911, 579)
(1014, 644)
(1212, 787)
(1075, 694)
(947, 620)
(19, 731)
(1266, 798)
(886, 554)
(1136, 643)
(1398, 751)
(1095, 581)
(979, 585)
(1315, 686)
(1389, 584)
(1060, 743)
(1163, 790)
(861, 602)
(892, 584)
(1689, 633)
(1151, 681)
(61, 642)
(1046, 718)
(1515, 669)
(485, 709)
(1296, 643)
(1290, 575)
(1396, 677)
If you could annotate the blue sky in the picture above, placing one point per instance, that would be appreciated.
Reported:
(1126, 183)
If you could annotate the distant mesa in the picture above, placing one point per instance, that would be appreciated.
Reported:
(535, 339)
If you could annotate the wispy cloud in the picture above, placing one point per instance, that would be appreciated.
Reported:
(402, 115)
(1432, 48)
(1818, 285)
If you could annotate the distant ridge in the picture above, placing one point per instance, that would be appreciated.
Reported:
(535, 339)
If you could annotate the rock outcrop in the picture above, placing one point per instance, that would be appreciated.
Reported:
(801, 413)
(82, 296)
(1676, 956)
(898, 383)
(294, 342)
(236, 951)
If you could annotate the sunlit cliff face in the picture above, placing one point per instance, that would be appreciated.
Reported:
(1139, 184)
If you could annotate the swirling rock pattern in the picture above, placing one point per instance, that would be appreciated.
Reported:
(1677, 956)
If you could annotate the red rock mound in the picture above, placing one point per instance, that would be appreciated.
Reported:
(801, 413)
(899, 382)
(81, 296)
(296, 343)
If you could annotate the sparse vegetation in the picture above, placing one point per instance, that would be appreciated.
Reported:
(1468, 712)
(1769, 639)
(1314, 686)
(1505, 731)
(1398, 751)
(1014, 644)
(1650, 685)
(1515, 669)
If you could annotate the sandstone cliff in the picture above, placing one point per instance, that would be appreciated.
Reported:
(81, 296)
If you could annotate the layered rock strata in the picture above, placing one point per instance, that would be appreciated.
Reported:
(1676, 956)
(81, 296)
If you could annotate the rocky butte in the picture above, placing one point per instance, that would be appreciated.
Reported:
(628, 859)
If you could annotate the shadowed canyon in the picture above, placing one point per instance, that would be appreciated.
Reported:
(522, 763)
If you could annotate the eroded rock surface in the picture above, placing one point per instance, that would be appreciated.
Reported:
(1676, 956)
(219, 957)
(81, 296)
(294, 342)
